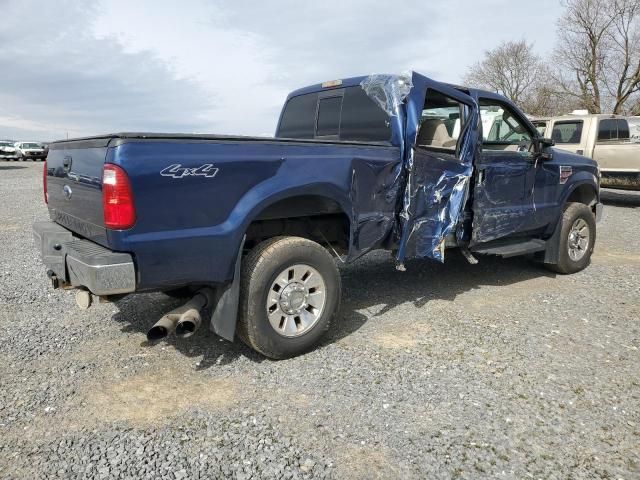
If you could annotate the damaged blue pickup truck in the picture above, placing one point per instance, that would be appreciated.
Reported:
(246, 228)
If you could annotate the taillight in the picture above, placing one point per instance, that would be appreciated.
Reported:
(117, 198)
(44, 183)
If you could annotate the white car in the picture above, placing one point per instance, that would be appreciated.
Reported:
(8, 150)
(30, 151)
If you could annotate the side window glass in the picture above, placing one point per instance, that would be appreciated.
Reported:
(362, 119)
(298, 118)
(567, 132)
(623, 129)
(441, 123)
(501, 126)
(607, 130)
(329, 116)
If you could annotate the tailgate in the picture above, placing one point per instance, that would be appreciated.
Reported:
(74, 186)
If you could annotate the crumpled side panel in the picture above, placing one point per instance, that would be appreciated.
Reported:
(388, 91)
(434, 197)
(375, 189)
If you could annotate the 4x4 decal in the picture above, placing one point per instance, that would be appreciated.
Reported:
(178, 171)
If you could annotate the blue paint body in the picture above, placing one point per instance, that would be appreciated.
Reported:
(188, 230)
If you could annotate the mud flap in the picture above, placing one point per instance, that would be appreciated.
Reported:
(225, 314)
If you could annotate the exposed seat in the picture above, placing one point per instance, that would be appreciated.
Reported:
(433, 133)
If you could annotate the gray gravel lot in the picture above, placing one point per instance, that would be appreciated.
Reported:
(499, 370)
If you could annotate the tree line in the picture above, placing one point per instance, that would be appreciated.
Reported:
(595, 64)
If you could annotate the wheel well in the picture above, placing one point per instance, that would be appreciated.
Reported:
(584, 194)
(316, 218)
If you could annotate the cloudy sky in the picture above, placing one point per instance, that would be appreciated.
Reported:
(216, 66)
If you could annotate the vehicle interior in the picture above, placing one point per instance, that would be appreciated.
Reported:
(442, 119)
(502, 129)
(440, 123)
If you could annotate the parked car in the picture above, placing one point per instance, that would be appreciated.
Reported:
(604, 138)
(30, 151)
(8, 150)
(249, 225)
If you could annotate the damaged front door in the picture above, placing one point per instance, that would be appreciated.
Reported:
(442, 130)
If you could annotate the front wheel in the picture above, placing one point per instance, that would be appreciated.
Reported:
(289, 294)
(577, 239)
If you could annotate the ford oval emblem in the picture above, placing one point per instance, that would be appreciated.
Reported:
(67, 192)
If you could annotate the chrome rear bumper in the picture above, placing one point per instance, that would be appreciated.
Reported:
(81, 263)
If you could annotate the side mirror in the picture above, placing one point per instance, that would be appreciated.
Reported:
(541, 146)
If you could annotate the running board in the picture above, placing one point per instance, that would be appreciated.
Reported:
(511, 249)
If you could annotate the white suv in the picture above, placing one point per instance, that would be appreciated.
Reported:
(30, 151)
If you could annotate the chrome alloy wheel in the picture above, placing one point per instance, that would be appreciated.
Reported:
(578, 241)
(296, 300)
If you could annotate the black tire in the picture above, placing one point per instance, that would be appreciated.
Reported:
(260, 268)
(572, 213)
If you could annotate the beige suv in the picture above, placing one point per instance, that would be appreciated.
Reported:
(603, 138)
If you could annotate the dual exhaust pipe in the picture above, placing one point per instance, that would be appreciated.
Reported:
(184, 320)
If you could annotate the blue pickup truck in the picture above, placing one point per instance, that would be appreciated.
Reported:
(247, 228)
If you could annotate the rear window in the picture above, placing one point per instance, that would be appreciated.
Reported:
(299, 118)
(329, 116)
(611, 129)
(350, 115)
(567, 132)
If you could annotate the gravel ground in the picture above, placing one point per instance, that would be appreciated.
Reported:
(445, 371)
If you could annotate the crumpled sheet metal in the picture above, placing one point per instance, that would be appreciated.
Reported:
(431, 209)
(388, 91)
(437, 184)
(375, 188)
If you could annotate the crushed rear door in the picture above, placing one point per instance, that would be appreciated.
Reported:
(437, 182)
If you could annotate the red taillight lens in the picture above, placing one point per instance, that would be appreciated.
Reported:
(44, 182)
(117, 198)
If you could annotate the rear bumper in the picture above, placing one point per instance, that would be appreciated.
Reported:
(77, 262)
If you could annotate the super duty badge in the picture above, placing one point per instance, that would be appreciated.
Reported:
(178, 171)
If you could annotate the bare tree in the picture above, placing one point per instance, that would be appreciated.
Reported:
(511, 69)
(514, 70)
(622, 68)
(598, 53)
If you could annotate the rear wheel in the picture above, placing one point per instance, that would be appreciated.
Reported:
(577, 239)
(289, 294)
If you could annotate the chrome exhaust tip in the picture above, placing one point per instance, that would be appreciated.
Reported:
(161, 329)
(184, 320)
(188, 324)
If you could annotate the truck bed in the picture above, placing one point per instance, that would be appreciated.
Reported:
(185, 213)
